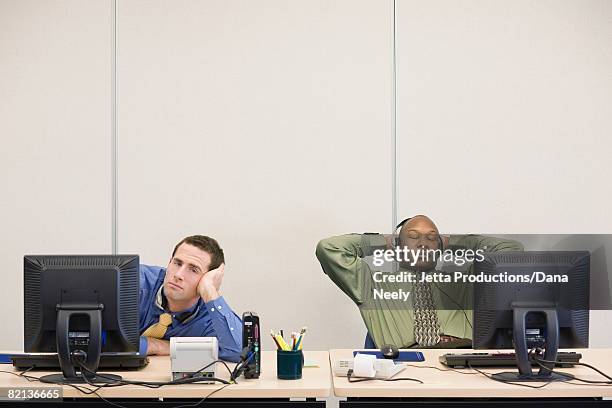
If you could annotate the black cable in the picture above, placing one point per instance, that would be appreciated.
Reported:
(97, 386)
(203, 399)
(349, 376)
(442, 369)
(240, 367)
(98, 395)
(29, 378)
(152, 384)
(21, 374)
(489, 376)
(208, 365)
(467, 319)
(539, 361)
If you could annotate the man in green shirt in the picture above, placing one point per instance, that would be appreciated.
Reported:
(394, 311)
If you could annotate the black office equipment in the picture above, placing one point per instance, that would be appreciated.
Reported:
(251, 341)
(50, 361)
(81, 307)
(501, 359)
(389, 351)
(519, 314)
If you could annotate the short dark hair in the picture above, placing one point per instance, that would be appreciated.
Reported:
(206, 244)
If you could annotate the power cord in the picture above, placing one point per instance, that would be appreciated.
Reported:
(442, 369)
(349, 376)
(539, 361)
(85, 371)
(151, 384)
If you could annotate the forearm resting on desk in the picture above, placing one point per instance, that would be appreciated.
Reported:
(158, 347)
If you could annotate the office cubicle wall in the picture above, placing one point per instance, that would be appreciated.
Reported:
(55, 99)
(269, 125)
(264, 124)
(504, 110)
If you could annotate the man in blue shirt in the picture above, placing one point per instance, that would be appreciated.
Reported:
(183, 300)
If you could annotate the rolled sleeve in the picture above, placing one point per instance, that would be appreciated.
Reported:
(144, 345)
(227, 327)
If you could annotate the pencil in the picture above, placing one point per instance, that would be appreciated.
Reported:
(275, 341)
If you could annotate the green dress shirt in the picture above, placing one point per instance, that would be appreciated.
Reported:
(391, 321)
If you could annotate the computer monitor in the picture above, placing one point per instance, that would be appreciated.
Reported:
(81, 306)
(517, 311)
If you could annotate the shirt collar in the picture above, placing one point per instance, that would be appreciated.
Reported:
(183, 316)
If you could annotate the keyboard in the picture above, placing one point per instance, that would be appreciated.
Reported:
(50, 361)
(464, 360)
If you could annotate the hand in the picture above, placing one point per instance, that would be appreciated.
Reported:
(157, 347)
(210, 284)
(444, 241)
(390, 239)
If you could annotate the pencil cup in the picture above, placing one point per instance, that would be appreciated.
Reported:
(289, 364)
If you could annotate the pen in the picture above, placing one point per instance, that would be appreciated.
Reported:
(299, 341)
(275, 341)
(281, 341)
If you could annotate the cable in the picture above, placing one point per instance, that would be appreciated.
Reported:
(442, 369)
(239, 368)
(349, 376)
(208, 365)
(539, 361)
(116, 383)
(467, 319)
(100, 396)
(29, 378)
(489, 376)
(203, 399)
(150, 384)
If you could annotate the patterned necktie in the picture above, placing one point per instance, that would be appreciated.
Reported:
(158, 329)
(426, 325)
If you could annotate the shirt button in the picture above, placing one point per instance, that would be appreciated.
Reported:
(212, 309)
(231, 328)
(219, 307)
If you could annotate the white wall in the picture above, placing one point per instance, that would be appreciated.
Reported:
(505, 115)
(54, 130)
(267, 124)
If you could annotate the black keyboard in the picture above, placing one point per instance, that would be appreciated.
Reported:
(50, 361)
(464, 360)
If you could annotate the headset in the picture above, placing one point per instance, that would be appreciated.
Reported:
(401, 224)
(441, 247)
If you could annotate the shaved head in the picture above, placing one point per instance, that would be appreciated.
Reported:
(420, 232)
(419, 222)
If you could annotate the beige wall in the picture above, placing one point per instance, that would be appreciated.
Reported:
(509, 104)
(55, 101)
(268, 125)
(264, 124)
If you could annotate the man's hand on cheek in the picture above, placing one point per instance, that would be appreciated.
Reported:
(210, 284)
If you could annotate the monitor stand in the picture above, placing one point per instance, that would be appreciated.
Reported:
(90, 359)
(545, 374)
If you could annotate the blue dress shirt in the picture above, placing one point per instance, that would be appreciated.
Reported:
(204, 319)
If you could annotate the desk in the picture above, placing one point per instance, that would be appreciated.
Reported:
(265, 391)
(450, 387)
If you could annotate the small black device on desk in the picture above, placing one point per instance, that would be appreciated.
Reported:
(251, 342)
(465, 360)
(389, 351)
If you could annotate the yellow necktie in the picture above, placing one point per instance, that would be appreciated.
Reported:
(158, 329)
